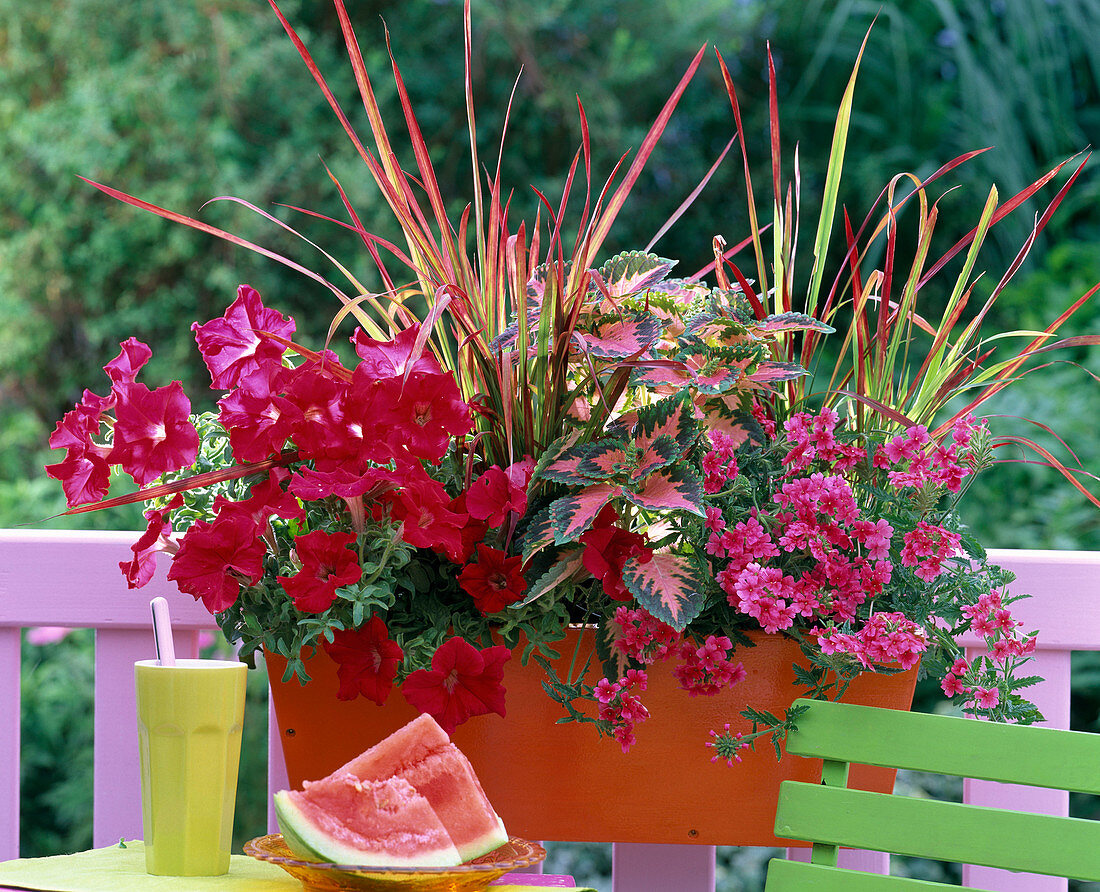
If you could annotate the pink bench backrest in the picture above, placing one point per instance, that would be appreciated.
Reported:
(72, 579)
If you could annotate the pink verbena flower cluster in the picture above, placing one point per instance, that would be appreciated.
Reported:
(884, 638)
(621, 707)
(914, 460)
(720, 462)
(977, 679)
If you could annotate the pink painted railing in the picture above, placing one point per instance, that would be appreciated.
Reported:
(71, 579)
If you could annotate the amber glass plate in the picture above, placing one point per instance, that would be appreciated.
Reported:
(472, 876)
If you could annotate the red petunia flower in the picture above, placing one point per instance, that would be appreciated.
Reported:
(265, 499)
(84, 473)
(423, 506)
(388, 359)
(463, 682)
(607, 548)
(320, 430)
(213, 557)
(494, 494)
(495, 581)
(123, 368)
(232, 347)
(367, 658)
(153, 431)
(327, 564)
(140, 570)
(422, 412)
(258, 417)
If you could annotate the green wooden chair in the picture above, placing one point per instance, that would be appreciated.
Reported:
(829, 815)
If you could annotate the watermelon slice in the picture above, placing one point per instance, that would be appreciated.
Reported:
(385, 823)
(360, 814)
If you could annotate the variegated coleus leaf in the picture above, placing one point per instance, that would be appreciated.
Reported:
(615, 338)
(673, 416)
(570, 453)
(653, 455)
(536, 285)
(604, 459)
(568, 566)
(573, 514)
(567, 467)
(671, 587)
(684, 291)
(768, 372)
(634, 271)
(507, 338)
(666, 374)
(538, 535)
(726, 415)
(675, 488)
(792, 322)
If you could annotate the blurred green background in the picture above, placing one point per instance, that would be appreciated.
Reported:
(181, 101)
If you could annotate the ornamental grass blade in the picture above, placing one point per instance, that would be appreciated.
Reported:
(1052, 462)
(219, 233)
(162, 490)
(602, 225)
(832, 184)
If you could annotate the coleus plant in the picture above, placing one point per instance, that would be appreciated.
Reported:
(554, 441)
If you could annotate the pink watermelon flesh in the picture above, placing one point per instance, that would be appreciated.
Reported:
(387, 806)
(422, 753)
(382, 823)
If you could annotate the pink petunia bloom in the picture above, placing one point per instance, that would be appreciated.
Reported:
(367, 660)
(232, 347)
(463, 682)
(214, 557)
(84, 473)
(320, 429)
(389, 359)
(256, 414)
(123, 368)
(141, 568)
(425, 509)
(266, 498)
(327, 564)
(495, 581)
(153, 431)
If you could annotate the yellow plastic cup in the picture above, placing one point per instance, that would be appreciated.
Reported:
(189, 726)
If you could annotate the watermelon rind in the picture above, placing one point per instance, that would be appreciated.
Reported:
(308, 839)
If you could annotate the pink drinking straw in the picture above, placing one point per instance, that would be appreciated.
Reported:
(162, 632)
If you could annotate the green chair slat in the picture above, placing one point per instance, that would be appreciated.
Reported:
(797, 876)
(1041, 757)
(948, 831)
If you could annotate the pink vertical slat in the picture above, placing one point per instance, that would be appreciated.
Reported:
(662, 868)
(276, 768)
(9, 744)
(852, 859)
(1052, 698)
(116, 790)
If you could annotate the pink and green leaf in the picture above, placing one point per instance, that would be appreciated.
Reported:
(573, 514)
(603, 459)
(674, 488)
(634, 271)
(617, 338)
(670, 587)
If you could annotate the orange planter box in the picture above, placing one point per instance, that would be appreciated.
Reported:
(563, 782)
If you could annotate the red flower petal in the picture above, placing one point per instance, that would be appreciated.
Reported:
(463, 682)
(327, 564)
(124, 367)
(153, 431)
(231, 346)
(388, 359)
(214, 557)
(367, 659)
(495, 581)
